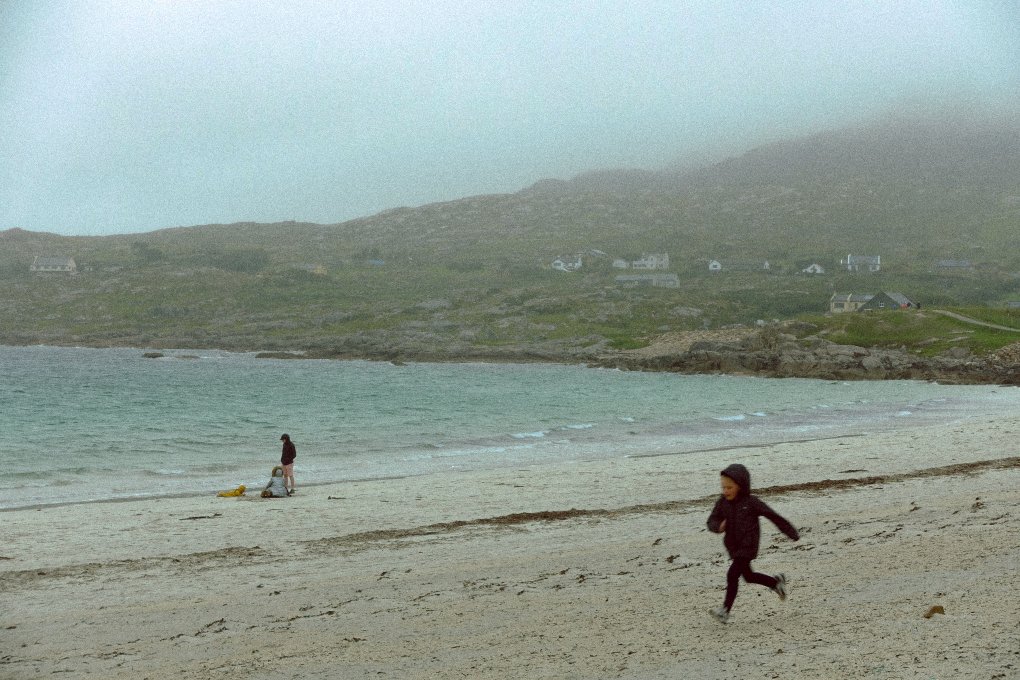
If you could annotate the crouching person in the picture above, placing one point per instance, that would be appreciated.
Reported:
(276, 488)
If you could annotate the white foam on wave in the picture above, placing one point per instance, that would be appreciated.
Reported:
(731, 418)
(529, 435)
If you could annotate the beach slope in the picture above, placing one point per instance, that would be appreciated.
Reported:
(906, 569)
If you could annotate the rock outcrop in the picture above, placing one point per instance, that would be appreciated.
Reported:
(772, 353)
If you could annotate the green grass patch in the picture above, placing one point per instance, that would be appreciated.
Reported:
(924, 332)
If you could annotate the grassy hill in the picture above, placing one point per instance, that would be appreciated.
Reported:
(474, 273)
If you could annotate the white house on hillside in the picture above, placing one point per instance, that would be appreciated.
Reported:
(61, 265)
(651, 261)
(867, 263)
(813, 269)
(567, 263)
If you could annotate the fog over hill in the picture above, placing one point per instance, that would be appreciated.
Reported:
(946, 188)
(477, 270)
(922, 188)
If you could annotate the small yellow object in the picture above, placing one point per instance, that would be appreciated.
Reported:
(239, 491)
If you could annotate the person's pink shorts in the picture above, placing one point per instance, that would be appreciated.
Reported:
(288, 470)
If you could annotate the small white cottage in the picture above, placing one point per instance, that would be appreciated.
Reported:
(58, 265)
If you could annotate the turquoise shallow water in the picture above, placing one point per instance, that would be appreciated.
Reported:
(88, 424)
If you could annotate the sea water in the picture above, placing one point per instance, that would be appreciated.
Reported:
(80, 425)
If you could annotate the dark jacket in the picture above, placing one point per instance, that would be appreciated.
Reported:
(743, 530)
(289, 453)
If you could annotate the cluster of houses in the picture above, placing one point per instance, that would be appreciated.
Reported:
(660, 262)
(651, 271)
(651, 267)
(647, 261)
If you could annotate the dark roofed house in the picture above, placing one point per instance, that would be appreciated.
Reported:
(859, 302)
(59, 265)
(888, 301)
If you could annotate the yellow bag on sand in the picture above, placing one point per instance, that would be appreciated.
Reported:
(239, 491)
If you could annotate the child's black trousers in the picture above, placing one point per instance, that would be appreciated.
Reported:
(742, 567)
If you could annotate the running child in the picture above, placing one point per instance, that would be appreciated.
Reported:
(736, 515)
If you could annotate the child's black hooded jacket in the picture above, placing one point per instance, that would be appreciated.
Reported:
(743, 530)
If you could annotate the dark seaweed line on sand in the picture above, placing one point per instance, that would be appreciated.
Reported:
(229, 557)
(668, 506)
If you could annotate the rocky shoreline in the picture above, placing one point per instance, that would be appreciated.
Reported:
(772, 353)
(764, 352)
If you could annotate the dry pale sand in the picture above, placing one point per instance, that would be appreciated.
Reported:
(598, 569)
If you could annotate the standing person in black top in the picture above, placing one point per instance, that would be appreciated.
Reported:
(736, 515)
(287, 461)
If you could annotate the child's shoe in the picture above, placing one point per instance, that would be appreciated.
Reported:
(780, 586)
(721, 614)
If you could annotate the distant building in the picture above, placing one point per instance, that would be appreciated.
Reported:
(813, 269)
(715, 266)
(58, 265)
(565, 263)
(860, 302)
(657, 280)
(953, 265)
(887, 301)
(863, 263)
(847, 302)
(651, 261)
(646, 261)
(747, 266)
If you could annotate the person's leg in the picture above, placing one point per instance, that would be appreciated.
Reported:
(288, 476)
(737, 567)
(754, 577)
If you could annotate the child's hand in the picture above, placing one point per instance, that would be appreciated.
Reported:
(722, 527)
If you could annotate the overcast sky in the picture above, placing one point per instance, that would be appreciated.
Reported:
(122, 116)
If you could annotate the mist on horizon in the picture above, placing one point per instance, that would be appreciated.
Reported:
(123, 117)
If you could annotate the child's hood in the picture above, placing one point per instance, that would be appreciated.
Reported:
(739, 474)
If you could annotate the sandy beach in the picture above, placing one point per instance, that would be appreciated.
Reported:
(593, 569)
